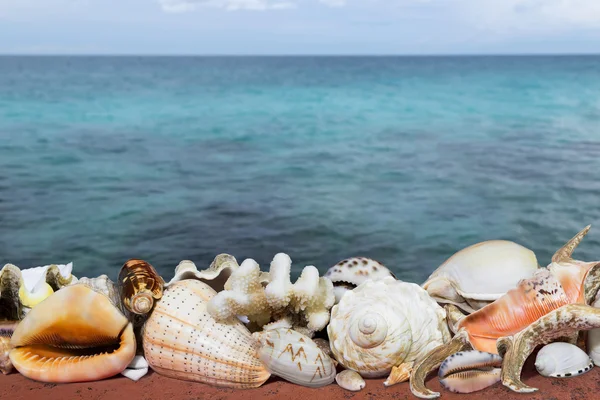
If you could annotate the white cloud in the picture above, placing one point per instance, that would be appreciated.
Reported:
(176, 6)
(334, 3)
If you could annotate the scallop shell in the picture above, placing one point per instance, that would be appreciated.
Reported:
(6, 331)
(562, 360)
(350, 380)
(382, 324)
(182, 341)
(480, 274)
(295, 357)
(20, 290)
(75, 335)
(351, 272)
(470, 371)
(214, 276)
(139, 285)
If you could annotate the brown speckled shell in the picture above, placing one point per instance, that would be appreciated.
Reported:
(182, 341)
(137, 278)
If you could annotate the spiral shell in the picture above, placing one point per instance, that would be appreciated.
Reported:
(139, 285)
(384, 323)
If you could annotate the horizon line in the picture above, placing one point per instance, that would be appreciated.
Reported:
(215, 55)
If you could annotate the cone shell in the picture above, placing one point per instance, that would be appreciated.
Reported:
(76, 335)
(139, 285)
(182, 341)
(295, 357)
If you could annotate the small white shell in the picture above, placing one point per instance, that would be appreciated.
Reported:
(381, 324)
(562, 360)
(351, 272)
(295, 357)
(479, 274)
(350, 380)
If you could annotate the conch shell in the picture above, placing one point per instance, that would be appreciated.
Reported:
(182, 341)
(76, 335)
(295, 357)
(385, 324)
(139, 285)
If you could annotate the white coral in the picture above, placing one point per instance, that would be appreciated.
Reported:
(304, 305)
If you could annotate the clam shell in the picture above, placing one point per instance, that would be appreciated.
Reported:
(382, 324)
(350, 380)
(562, 360)
(182, 341)
(139, 285)
(351, 272)
(480, 274)
(75, 335)
(215, 276)
(295, 358)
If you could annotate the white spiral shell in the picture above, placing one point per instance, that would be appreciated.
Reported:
(562, 360)
(381, 324)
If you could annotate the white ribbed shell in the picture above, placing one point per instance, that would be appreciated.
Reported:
(385, 323)
(181, 340)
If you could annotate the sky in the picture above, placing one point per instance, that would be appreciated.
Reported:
(273, 27)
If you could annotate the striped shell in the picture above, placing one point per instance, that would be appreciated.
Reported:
(295, 357)
(182, 341)
(139, 285)
(470, 371)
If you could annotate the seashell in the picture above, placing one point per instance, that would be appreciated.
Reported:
(214, 276)
(295, 358)
(350, 380)
(480, 274)
(351, 272)
(562, 360)
(139, 285)
(182, 341)
(470, 371)
(6, 331)
(593, 340)
(20, 290)
(384, 323)
(323, 344)
(75, 335)
(103, 285)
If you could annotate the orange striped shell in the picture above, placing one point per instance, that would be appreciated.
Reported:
(139, 285)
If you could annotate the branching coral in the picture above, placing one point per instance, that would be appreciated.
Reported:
(303, 305)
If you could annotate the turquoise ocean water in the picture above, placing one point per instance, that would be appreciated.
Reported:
(405, 160)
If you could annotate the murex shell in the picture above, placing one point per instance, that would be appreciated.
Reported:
(182, 341)
(562, 360)
(481, 274)
(75, 335)
(139, 286)
(351, 272)
(295, 357)
(382, 324)
(20, 290)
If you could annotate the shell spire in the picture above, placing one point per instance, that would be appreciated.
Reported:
(565, 252)
(139, 285)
